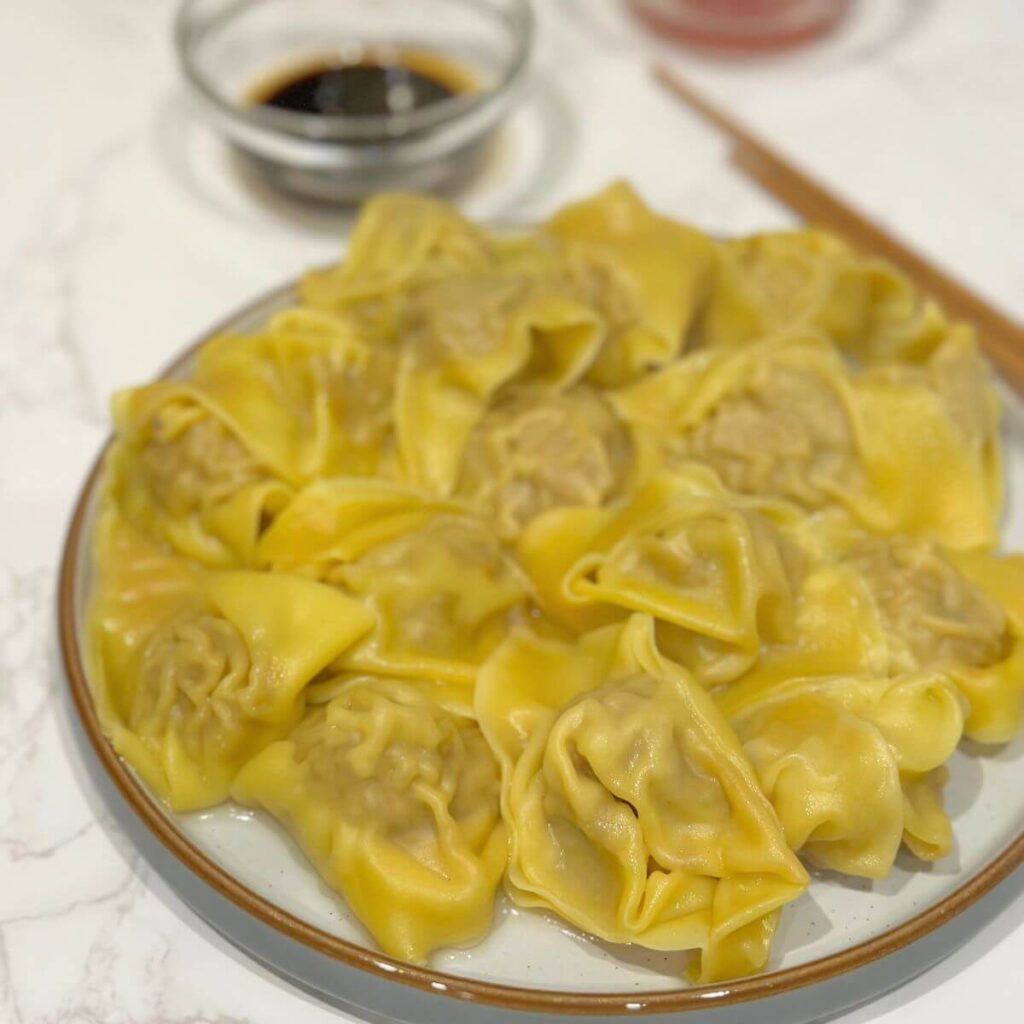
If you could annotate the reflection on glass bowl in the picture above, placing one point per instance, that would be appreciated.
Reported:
(325, 97)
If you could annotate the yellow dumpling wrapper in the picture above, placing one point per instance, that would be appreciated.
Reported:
(180, 470)
(197, 671)
(206, 462)
(882, 605)
(399, 241)
(632, 809)
(395, 801)
(958, 612)
(714, 574)
(837, 631)
(927, 831)
(665, 268)
(451, 696)
(435, 577)
(536, 450)
(307, 393)
(956, 372)
(788, 417)
(473, 335)
(995, 691)
(809, 279)
(839, 758)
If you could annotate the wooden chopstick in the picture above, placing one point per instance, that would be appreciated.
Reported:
(1000, 337)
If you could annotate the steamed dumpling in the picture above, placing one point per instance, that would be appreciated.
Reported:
(439, 584)
(633, 811)
(714, 572)
(395, 801)
(179, 471)
(932, 614)
(796, 280)
(400, 242)
(787, 417)
(960, 612)
(201, 670)
(995, 690)
(789, 434)
(206, 464)
(534, 451)
(886, 605)
(308, 393)
(656, 274)
(843, 759)
(468, 338)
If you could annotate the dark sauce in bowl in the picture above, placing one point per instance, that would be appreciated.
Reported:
(381, 82)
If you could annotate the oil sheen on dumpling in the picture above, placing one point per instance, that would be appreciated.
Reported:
(716, 575)
(437, 580)
(846, 761)
(656, 273)
(536, 450)
(956, 373)
(788, 417)
(307, 393)
(395, 801)
(632, 809)
(200, 670)
(836, 631)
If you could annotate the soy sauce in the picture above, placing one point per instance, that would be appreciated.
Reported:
(384, 82)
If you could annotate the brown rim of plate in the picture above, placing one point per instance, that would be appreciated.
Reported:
(436, 982)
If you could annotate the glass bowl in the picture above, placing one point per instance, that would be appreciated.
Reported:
(227, 48)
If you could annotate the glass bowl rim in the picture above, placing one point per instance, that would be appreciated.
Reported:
(520, 24)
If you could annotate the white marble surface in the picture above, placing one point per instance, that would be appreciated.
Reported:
(124, 230)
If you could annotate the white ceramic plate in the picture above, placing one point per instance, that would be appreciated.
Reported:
(843, 942)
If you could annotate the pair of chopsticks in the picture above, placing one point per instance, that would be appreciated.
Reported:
(1001, 338)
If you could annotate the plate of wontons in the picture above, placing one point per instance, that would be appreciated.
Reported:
(598, 618)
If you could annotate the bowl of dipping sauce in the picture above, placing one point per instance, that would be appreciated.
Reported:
(335, 99)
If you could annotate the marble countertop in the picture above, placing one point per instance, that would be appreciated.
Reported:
(126, 229)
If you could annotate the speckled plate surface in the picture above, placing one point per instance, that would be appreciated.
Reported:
(842, 943)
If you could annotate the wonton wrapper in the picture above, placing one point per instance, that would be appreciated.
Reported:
(399, 241)
(197, 671)
(207, 462)
(180, 472)
(632, 809)
(800, 280)
(837, 631)
(713, 572)
(437, 580)
(472, 336)
(995, 691)
(307, 393)
(914, 606)
(665, 269)
(536, 450)
(931, 612)
(842, 760)
(395, 801)
(787, 417)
